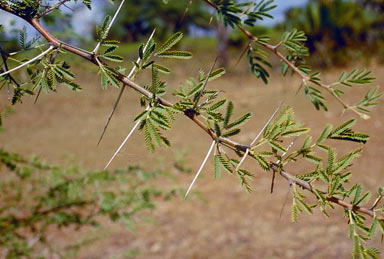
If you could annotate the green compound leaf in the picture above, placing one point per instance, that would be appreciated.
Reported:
(174, 39)
(177, 54)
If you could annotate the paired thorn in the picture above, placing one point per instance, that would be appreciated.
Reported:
(257, 137)
(200, 169)
(122, 144)
(130, 75)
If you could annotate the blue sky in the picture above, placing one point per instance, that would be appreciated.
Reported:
(282, 6)
(87, 18)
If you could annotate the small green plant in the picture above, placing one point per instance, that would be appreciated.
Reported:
(272, 148)
(37, 198)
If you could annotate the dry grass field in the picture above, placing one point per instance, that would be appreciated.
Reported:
(228, 222)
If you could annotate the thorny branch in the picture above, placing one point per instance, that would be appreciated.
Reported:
(191, 113)
(304, 77)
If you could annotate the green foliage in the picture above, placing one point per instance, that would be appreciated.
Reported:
(142, 16)
(299, 204)
(62, 198)
(153, 121)
(258, 62)
(229, 11)
(356, 77)
(259, 12)
(173, 40)
(369, 100)
(102, 31)
(338, 30)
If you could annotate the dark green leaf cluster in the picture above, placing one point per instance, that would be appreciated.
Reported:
(258, 61)
(230, 11)
(108, 76)
(25, 8)
(316, 97)
(342, 132)
(108, 54)
(228, 127)
(345, 133)
(259, 11)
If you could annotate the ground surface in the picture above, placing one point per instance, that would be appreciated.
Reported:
(230, 223)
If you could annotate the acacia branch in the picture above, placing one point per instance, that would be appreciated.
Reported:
(130, 76)
(304, 77)
(190, 113)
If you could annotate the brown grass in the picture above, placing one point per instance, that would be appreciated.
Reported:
(231, 223)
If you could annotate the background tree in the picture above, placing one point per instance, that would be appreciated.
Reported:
(339, 30)
(142, 16)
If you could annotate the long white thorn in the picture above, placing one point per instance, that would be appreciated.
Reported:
(201, 168)
(257, 137)
(121, 92)
(28, 62)
(266, 124)
(110, 24)
(123, 143)
(242, 160)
